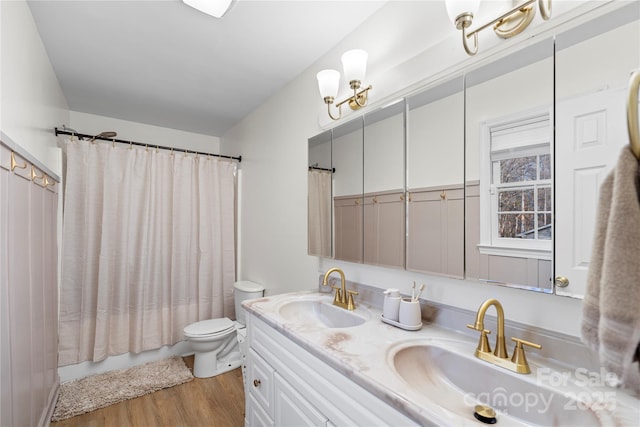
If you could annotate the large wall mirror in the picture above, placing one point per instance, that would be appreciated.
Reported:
(319, 181)
(384, 169)
(348, 206)
(509, 164)
(435, 180)
(500, 168)
(593, 65)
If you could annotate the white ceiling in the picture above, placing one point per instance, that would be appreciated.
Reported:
(163, 63)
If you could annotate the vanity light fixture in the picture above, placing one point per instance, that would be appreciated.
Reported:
(509, 24)
(215, 8)
(354, 63)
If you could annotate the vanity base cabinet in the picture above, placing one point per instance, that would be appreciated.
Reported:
(292, 409)
(306, 391)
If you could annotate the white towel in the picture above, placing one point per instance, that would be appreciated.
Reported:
(611, 305)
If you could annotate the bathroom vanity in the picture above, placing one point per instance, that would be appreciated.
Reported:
(310, 363)
(290, 386)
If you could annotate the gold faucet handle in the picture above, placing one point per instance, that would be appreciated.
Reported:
(519, 358)
(484, 331)
(338, 296)
(350, 304)
(519, 342)
(483, 344)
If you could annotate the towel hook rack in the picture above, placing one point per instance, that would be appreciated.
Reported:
(632, 113)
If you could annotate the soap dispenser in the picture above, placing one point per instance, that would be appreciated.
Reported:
(391, 304)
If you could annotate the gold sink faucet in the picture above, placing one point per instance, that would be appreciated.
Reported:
(499, 357)
(340, 299)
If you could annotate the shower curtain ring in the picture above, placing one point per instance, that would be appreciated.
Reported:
(130, 145)
(113, 143)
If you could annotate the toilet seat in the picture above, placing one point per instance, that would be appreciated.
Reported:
(210, 328)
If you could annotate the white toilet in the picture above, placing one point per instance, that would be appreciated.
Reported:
(215, 342)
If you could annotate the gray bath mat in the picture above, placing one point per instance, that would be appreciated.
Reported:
(97, 391)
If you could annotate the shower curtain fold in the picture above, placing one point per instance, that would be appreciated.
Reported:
(319, 213)
(148, 247)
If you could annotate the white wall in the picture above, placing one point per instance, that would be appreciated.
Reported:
(92, 125)
(384, 155)
(273, 143)
(436, 135)
(31, 100)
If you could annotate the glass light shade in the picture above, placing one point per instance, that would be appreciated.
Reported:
(328, 82)
(215, 8)
(456, 8)
(354, 63)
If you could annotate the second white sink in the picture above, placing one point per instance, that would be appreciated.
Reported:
(445, 374)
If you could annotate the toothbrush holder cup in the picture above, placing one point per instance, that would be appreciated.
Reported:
(409, 313)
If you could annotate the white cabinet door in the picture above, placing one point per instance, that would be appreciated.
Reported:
(260, 381)
(256, 415)
(590, 132)
(292, 409)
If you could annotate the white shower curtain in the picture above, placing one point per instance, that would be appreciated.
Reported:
(319, 213)
(148, 247)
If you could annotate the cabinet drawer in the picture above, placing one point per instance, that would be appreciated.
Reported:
(260, 382)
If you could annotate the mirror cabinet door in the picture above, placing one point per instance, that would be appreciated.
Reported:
(319, 181)
(384, 206)
(509, 158)
(435, 180)
(593, 65)
(346, 158)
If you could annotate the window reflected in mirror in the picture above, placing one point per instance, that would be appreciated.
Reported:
(509, 170)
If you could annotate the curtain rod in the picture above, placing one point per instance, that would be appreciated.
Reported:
(332, 170)
(140, 144)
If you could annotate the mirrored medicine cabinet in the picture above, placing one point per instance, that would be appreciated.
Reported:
(491, 175)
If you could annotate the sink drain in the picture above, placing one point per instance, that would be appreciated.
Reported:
(485, 414)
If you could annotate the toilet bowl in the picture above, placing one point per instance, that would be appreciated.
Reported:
(215, 342)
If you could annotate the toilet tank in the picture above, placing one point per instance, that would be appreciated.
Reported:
(244, 290)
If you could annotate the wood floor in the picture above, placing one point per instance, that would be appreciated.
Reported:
(216, 401)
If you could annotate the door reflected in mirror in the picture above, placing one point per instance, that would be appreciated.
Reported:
(435, 180)
(509, 164)
(593, 65)
(319, 182)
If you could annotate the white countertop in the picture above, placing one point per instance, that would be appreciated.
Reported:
(364, 354)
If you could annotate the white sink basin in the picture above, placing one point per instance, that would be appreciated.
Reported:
(456, 381)
(322, 313)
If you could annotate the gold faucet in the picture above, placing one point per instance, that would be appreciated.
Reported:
(340, 299)
(499, 357)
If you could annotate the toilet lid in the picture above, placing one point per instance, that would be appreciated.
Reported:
(209, 327)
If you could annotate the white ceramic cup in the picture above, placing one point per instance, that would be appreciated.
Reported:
(409, 313)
